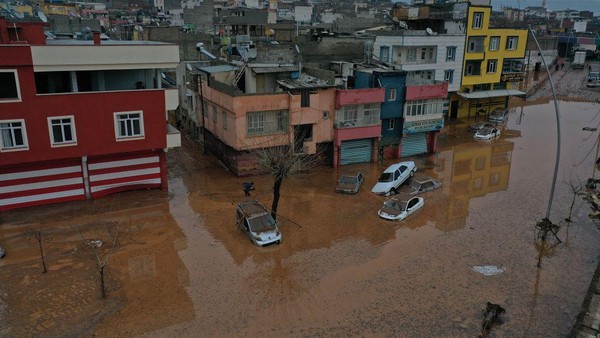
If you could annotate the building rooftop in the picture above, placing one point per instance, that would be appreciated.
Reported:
(304, 81)
(66, 42)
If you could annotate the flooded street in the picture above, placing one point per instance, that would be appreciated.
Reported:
(181, 267)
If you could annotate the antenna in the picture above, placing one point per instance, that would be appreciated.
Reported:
(42, 16)
(18, 15)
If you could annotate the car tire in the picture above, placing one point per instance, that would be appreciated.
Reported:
(412, 173)
(393, 191)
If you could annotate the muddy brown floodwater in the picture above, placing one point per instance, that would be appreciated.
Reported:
(182, 269)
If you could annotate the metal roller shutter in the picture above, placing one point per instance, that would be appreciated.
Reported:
(41, 184)
(414, 144)
(120, 173)
(356, 151)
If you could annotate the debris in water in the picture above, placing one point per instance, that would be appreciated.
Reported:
(96, 243)
(491, 316)
(489, 270)
(589, 129)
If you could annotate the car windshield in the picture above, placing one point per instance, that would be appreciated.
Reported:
(386, 177)
(396, 205)
(415, 185)
(262, 223)
(485, 131)
(348, 179)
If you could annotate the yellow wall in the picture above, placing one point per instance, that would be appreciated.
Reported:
(486, 55)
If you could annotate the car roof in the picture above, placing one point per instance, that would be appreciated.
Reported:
(393, 167)
(403, 197)
(252, 208)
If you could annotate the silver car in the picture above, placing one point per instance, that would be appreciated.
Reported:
(350, 184)
(420, 184)
(254, 219)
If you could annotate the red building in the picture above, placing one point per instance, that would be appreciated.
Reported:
(81, 118)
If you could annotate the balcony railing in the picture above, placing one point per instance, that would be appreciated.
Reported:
(364, 122)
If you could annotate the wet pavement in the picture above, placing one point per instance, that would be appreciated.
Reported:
(181, 268)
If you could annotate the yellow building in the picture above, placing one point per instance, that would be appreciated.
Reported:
(492, 68)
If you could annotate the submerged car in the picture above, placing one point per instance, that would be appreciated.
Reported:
(487, 133)
(391, 179)
(478, 125)
(350, 184)
(2, 252)
(254, 219)
(594, 84)
(417, 185)
(399, 207)
(498, 116)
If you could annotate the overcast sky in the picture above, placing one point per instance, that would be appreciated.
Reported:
(553, 5)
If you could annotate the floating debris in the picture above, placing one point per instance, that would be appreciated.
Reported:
(489, 270)
(96, 243)
(491, 316)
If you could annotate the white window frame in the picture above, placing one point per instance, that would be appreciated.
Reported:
(18, 98)
(25, 146)
(269, 122)
(449, 75)
(51, 131)
(133, 137)
(494, 43)
(492, 66)
(477, 20)
(393, 94)
(513, 41)
(451, 53)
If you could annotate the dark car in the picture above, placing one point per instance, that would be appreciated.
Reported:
(350, 184)
(256, 221)
(420, 184)
(2, 252)
(498, 115)
(593, 84)
(593, 76)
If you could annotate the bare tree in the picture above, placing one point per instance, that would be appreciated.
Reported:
(544, 228)
(575, 189)
(281, 162)
(102, 255)
(38, 236)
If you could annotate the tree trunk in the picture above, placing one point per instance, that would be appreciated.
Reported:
(38, 236)
(102, 283)
(276, 194)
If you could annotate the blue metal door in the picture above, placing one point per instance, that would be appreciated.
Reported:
(356, 151)
(414, 144)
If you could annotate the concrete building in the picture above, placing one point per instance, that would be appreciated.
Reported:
(81, 119)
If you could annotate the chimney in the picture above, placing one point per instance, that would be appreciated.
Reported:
(96, 38)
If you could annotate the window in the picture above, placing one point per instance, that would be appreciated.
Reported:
(214, 112)
(350, 114)
(424, 107)
(511, 42)
(391, 124)
(9, 86)
(392, 94)
(224, 119)
(513, 66)
(450, 53)
(305, 98)
(480, 163)
(14, 136)
(267, 122)
(449, 75)
(62, 130)
(129, 125)
(384, 53)
(476, 44)
(473, 68)
(492, 66)
(494, 43)
(371, 113)
(494, 178)
(358, 115)
(477, 20)
(412, 54)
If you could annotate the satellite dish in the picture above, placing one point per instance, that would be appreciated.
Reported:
(42, 16)
(138, 28)
(429, 31)
(18, 15)
(200, 45)
(189, 67)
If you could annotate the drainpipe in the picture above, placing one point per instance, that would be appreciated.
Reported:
(86, 177)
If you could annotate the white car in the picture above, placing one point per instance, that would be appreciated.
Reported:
(393, 177)
(399, 207)
(258, 224)
(487, 133)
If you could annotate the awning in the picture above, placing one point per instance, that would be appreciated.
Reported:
(492, 93)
